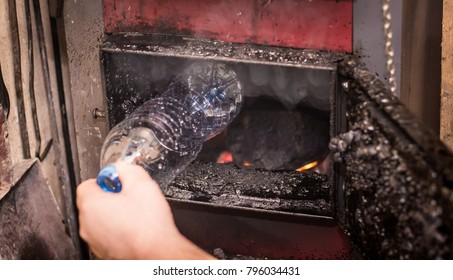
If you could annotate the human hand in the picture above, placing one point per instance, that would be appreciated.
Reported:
(136, 223)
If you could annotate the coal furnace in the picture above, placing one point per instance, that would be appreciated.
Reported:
(321, 155)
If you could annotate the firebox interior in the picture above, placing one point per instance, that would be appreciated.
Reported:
(284, 123)
(272, 162)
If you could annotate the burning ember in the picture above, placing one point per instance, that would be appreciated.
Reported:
(307, 166)
(225, 157)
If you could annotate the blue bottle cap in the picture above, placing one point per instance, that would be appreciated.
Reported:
(108, 179)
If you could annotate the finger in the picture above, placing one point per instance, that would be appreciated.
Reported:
(87, 187)
(132, 175)
(86, 190)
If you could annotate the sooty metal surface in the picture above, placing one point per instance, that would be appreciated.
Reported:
(398, 176)
(261, 234)
(194, 47)
(246, 187)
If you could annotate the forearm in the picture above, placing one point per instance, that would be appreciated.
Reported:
(178, 248)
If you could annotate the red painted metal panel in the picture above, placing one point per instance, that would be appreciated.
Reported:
(262, 236)
(315, 24)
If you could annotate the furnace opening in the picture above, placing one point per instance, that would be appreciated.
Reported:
(274, 156)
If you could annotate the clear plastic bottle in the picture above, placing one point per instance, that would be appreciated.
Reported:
(166, 133)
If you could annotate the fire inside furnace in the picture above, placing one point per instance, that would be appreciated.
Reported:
(227, 157)
(272, 157)
(267, 135)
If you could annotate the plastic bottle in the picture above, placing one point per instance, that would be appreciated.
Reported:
(166, 133)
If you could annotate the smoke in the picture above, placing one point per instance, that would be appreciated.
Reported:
(292, 86)
(144, 77)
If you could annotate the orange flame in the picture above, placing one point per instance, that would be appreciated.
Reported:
(307, 166)
(227, 157)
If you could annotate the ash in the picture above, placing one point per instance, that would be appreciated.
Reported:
(238, 186)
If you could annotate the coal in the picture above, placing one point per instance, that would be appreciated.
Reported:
(238, 186)
(271, 137)
(267, 135)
